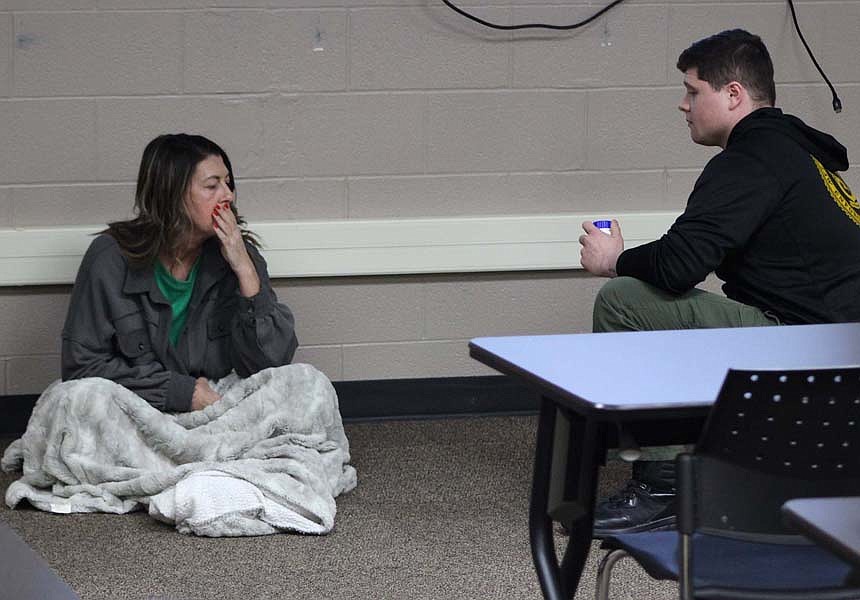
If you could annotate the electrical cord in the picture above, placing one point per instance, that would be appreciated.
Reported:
(531, 25)
(837, 103)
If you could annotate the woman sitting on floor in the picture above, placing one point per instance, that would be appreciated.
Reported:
(179, 294)
(174, 310)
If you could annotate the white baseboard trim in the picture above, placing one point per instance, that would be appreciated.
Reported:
(51, 255)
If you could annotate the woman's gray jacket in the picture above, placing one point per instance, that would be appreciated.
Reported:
(118, 323)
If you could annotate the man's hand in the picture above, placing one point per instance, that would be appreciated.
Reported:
(203, 395)
(599, 251)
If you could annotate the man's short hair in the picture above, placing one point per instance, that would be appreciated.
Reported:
(733, 55)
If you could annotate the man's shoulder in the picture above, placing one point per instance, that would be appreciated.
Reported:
(739, 160)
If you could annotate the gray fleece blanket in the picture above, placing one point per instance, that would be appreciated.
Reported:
(270, 456)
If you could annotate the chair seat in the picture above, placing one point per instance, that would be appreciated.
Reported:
(722, 562)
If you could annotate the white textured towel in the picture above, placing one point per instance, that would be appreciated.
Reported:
(270, 456)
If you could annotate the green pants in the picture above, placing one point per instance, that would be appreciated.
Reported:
(628, 304)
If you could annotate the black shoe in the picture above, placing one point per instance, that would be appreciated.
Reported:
(637, 507)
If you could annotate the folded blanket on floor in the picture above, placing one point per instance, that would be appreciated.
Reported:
(270, 456)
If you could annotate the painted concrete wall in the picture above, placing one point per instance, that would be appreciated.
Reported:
(377, 109)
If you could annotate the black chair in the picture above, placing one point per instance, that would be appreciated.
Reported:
(770, 437)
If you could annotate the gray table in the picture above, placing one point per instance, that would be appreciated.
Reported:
(832, 523)
(654, 386)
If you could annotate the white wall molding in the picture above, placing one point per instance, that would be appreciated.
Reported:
(51, 255)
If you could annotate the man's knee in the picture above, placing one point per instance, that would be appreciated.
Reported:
(617, 290)
(612, 303)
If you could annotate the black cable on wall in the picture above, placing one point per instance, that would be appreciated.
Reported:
(459, 10)
(837, 103)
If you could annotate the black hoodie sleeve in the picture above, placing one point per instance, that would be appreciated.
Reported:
(731, 198)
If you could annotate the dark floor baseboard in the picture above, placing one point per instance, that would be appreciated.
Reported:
(436, 397)
(375, 399)
(14, 413)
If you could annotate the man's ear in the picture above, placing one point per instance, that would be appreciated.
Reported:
(736, 94)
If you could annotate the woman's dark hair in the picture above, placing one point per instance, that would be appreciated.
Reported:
(161, 223)
(733, 55)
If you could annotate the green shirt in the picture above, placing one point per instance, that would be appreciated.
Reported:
(178, 294)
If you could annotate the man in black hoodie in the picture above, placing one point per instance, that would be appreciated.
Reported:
(769, 215)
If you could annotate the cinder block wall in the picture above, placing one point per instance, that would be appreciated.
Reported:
(344, 109)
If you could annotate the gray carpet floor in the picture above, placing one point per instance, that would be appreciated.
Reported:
(440, 512)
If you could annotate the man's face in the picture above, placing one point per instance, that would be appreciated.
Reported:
(706, 110)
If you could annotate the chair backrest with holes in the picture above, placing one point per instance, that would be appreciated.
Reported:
(773, 436)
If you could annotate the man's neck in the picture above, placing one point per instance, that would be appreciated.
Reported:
(743, 114)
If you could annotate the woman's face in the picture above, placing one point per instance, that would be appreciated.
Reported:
(208, 188)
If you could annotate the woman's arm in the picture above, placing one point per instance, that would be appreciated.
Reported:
(165, 390)
(106, 334)
(263, 332)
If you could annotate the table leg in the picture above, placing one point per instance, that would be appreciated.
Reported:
(563, 485)
(540, 524)
(585, 452)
